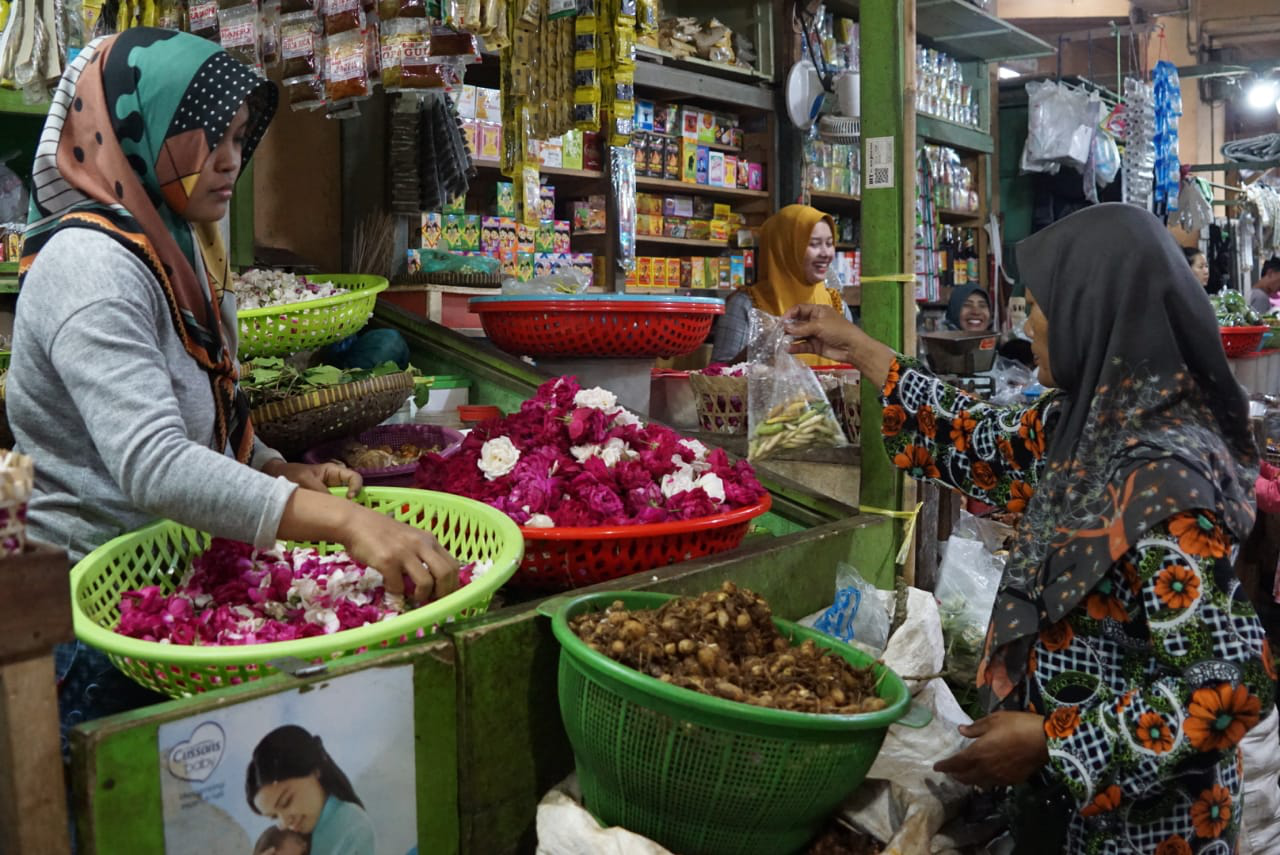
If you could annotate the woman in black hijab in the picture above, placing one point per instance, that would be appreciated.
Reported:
(1123, 663)
(969, 309)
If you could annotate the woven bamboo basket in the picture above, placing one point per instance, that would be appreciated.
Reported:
(721, 401)
(293, 425)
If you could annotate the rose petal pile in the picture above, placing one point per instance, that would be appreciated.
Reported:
(235, 594)
(259, 289)
(719, 369)
(572, 457)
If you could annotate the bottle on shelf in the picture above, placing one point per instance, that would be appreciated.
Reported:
(971, 258)
(959, 267)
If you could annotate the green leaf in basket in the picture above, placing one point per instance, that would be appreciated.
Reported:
(384, 369)
(323, 375)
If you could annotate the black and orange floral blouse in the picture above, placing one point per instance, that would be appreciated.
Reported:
(1142, 714)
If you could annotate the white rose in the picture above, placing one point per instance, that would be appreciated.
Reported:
(699, 450)
(540, 521)
(713, 486)
(615, 450)
(679, 481)
(624, 418)
(583, 453)
(596, 398)
(481, 567)
(326, 618)
(498, 457)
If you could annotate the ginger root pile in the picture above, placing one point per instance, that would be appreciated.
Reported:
(723, 643)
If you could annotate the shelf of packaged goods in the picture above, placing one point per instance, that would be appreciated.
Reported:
(683, 83)
(658, 56)
(11, 103)
(684, 292)
(964, 31)
(560, 172)
(972, 219)
(942, 132)
(731, 149)
(689, 242)
(648, 183)
(829, 198)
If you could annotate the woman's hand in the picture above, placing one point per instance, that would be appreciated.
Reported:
(398, 550)
(824, 331)
(317, 476)
(1008, 748)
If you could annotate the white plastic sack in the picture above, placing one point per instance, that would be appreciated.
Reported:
(966, 591)
(566, 828)
(1261, 749)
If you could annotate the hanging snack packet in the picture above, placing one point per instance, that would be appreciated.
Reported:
(238, 31)
(269, 26)
(787, 409)
(342, 16)
(305, 92)
(202, 19)
(299, 45)
(289, 7)
(346, 69)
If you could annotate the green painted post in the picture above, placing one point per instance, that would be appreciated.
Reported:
(242, 220)
(886, 114)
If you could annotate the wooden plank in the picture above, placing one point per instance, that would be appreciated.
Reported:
(33, 800)
(35, 602)
(512, 746)
(116, 766)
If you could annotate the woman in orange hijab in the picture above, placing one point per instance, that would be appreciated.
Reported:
(797, 245)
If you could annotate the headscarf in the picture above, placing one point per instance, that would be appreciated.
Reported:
(1149, 420)
(781, 282)
(956, 304)
(133, 120)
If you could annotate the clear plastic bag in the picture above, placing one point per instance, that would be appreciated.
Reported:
(13, 194)
(787, 407)
(564, 282)
(1011, 378)
(860, 611)
(966, 592)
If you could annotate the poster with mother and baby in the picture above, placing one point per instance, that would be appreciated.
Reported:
(324, 770)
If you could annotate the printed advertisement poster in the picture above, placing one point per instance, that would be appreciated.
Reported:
(324, 770)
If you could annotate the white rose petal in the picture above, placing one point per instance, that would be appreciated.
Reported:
(596, 398)
(614, 450)
(326, 618)
(699, 450)
(498, 456)
(583, 453)
(679, 481)
(481, 567)
(714, 487)
(539, 521)
(624, 418)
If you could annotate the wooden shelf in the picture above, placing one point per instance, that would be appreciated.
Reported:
(684, 292)
(942, 132)
(834, 198)
(964, 31)
(646, 183)
(690, 242)
(590, 233)
(961, 218)
(590, 174)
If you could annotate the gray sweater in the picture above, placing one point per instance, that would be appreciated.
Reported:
(116, 414)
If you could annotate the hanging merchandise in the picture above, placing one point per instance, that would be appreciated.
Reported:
(1168, 112)
(1062, 122)
(1194, 210)
(1139, 158)
(1246, 234)
(30, 55)
(1221, 257)
(1263, 149)
(1265, 201)
(622, 173)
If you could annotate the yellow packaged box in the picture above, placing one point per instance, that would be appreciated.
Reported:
(673, 272)
(719, 230)
(571, 150)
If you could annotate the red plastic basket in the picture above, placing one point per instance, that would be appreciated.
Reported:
(602, 328)
(1239, 341)
(560, 559)
(447, 439)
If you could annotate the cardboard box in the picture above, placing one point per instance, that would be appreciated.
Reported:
(490, 141)
(524, 237)
(644, 116)
(688, 162)
(730, 171)
(456, 205)
(744, 173)
(591, 155)
(560, 236)
(471, 133)
(737, 271)
(677, 206)
(505, 205)
(471, 232)
(706, 128)
(719, 230)
(755, 175)
(644, 271)
(647, 203)
(584, 264)
(664, 115)
(488, 105)
(466, 103)
(491, 235)
(657, 153)
(675, 227)
(697, 272)
(544, 264)
(724, 277)
(546, 202)
(671, 160)
(686, 272)
(544, 237)
(720, 211)
(524, 266)
(432, 226)
(550, 154)
(640, 151)
(699, 230)
(749, 265)
(690, 122)
(507, 243)
(674, 272)
(703, 151)
(715, 169)
(571, 150)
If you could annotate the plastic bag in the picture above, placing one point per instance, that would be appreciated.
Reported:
(566, 281)
(13, 195)
(787, 408)
(966, 591)
(860, 610)
(1011, 378)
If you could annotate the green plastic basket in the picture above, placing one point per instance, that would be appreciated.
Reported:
(701, 775)
(158, 554)
(281, 330)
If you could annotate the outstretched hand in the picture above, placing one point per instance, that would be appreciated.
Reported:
(1008, 748)
(317, 476)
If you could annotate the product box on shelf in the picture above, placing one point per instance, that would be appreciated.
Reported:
(471, 133)
(584, 264)
(721, 211)
(699, 230)
(657, 156)
(730, 171)
(546, 202)
(663, 117)
(697, 273)
(571, 150)
(524, 266)
(432, 226)
(544, 237)
(737, 271)
(743, 178)
(677, 206)
(719, 230)
(675, 270)
(749, 265)
(725, 278)
(703, 153)
(505, 199)
(675, 227)
(644, 115)
(644, 271)
(560, 234)
(647, 203)
(755, 175)
(706, 128)
(715, 169)
(592, 157)
(490, 141)
(688, 162)
(456, 205)
(524, 237)
(489, 105)
(466, 101)
(490, 234)
(507, 241)
(551, 154)
(640, 153)
(671, 160)
(544, 264)
(690, 121)
(471, 232)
